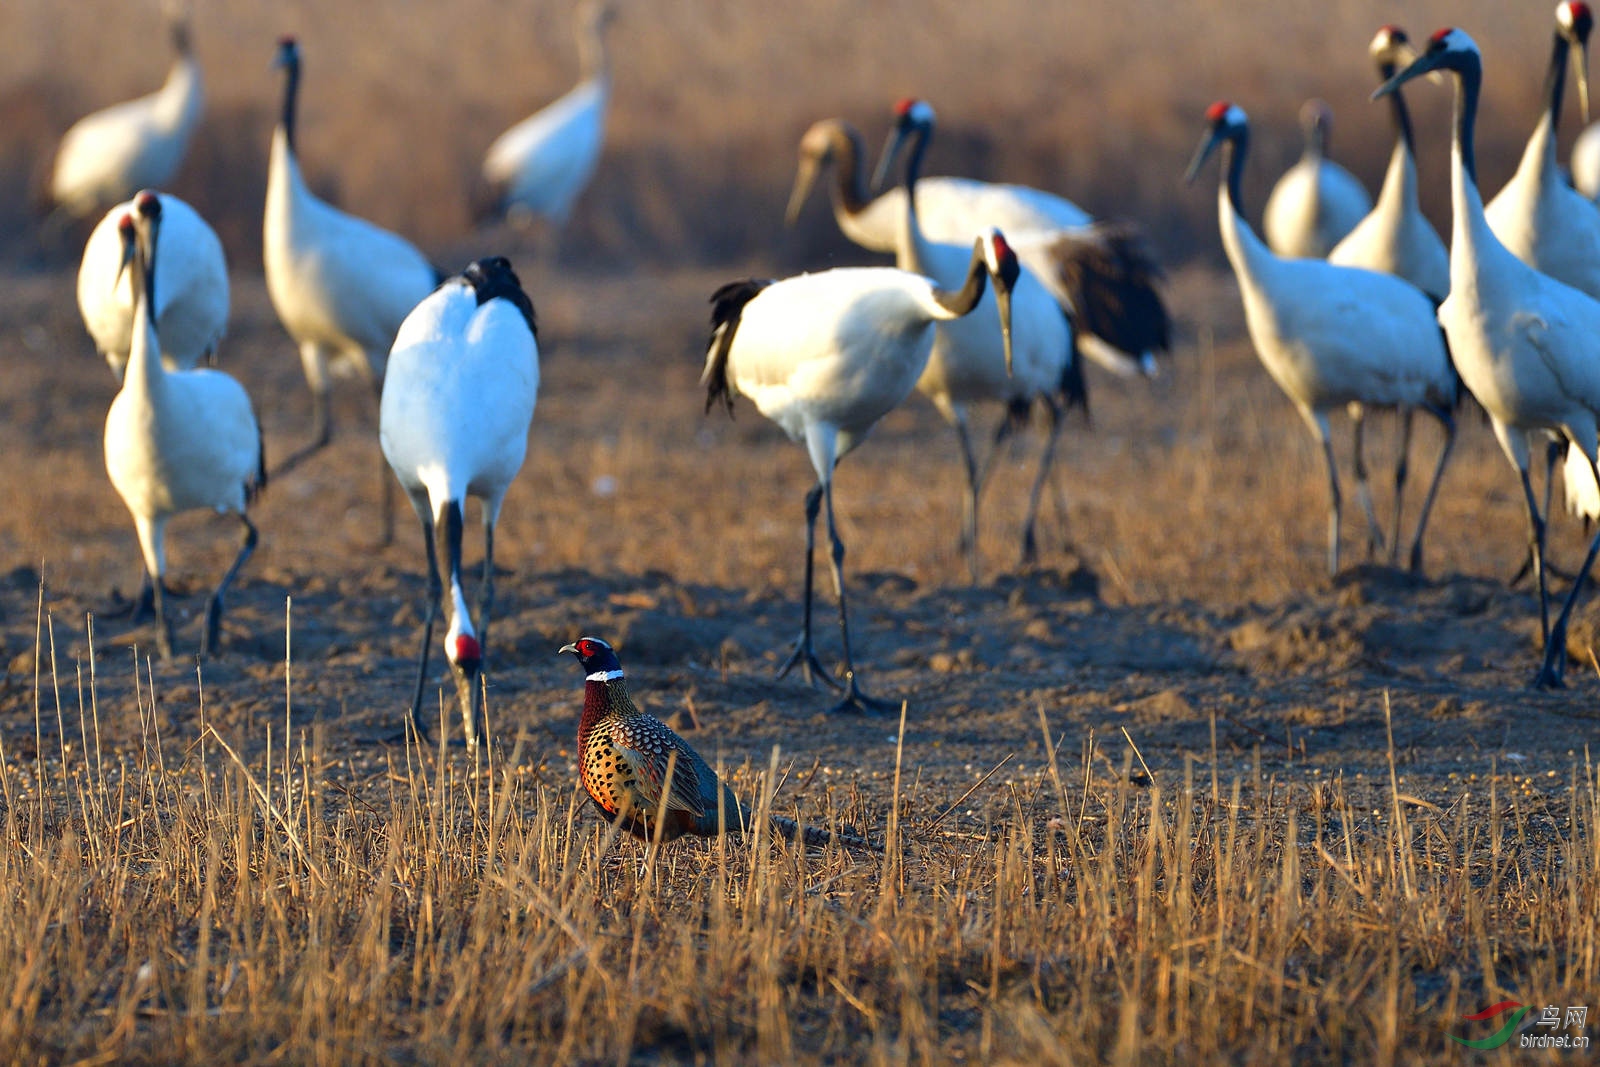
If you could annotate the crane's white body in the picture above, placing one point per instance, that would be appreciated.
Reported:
(458, 399)
(177, 441)
(1543, 221)
(1395, 237)
(191, 312)
(109, 155)
(1332, 335)
(453, 422)
(539, 167)
(1313, 207)
(955, 210)
(826, 355)
(1585, 161)
(341, 286)
(544, 162)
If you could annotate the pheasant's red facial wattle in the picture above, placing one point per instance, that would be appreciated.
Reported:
(465, 651)
(1218, 111)
(903, 106)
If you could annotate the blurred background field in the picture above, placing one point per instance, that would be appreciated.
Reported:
(1097, 100)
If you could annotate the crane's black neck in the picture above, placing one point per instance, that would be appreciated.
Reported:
(851, 188)
(1555, 79)
(1398, 110)
(291, 92)
(1234, 149)
(963, 300)
(493, 278)
(919, 150)
(1469, 81)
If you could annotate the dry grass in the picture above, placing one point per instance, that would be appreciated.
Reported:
(180, 901)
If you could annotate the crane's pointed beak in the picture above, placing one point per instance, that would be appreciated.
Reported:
(1423, 64)
(891, 151)
(804, 178)
(1002, 300)
(1208, 145)
(127, 261)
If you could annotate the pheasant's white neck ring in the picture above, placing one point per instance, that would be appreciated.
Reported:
(603, 676)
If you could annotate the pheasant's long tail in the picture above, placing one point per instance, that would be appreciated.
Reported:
(819, 837)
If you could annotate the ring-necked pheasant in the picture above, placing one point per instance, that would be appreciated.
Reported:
(622, 762)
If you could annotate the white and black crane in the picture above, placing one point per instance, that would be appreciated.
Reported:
(109, 155)
(191, 284)
(457, 404)
(1395, 238)
(967, 364)
(1316, 202)
(340, 285)
(176, 441)
(1102, 273)
(825, 356)
(1550, 226)
(537, 168)
(1524, 342)
(1331, 336)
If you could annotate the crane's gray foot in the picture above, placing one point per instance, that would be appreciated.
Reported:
(811, 667)
(857, 701)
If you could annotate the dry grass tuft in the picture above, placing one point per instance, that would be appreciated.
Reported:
(180, 900)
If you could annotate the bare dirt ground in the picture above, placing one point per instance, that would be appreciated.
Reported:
(1180, 580)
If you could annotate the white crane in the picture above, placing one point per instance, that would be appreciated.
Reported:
(825, 356)
(176, 441)
(538, 167)
(1395, 238)
(1316, 202)
(1541, 219)
(111, 154)
(1100, 272)
(1550, 226)
(967, 363)
(340, 285)
(457, 404)
(1331, 336)
(191, 282)
(1524, 342)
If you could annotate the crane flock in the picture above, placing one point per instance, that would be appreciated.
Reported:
(998, 294)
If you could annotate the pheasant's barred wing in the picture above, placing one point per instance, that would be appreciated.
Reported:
(650, 772)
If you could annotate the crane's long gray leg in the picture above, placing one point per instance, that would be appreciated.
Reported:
(969, 516)
(386, 481)
(1333, 500)
(163, 624)
(213, 630)
(854, 698)
(486, 588)
(1554, 452)
(435, 591)
(1536, 550)
(448, 534)
(1402, 467)
(811, 668)
(1555, 646)
(1448, 422)
(1358, 418)
(1030, 545)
